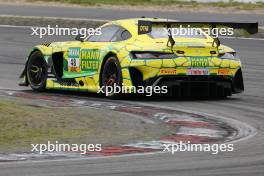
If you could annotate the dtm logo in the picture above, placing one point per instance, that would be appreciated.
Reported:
(74, 52)
(199, 62)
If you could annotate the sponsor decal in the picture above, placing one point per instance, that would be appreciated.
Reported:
(199, 62)
(74, 60)
(223, 71)
(90, 59)
(144, 28)
(83, 60)
(198, 71)
(168, 71)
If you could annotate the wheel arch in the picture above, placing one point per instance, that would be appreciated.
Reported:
(23, 74)
(43, 60)
(109, 54)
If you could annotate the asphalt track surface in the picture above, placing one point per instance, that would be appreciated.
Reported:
(247, 159)
(108, 14)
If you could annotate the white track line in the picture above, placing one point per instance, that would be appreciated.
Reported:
(14, 26)
(78, 159)
(242, 38)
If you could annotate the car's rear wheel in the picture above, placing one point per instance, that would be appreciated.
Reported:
(37, 71)
(111, 78)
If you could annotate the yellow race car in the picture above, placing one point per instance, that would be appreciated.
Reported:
(138, 53)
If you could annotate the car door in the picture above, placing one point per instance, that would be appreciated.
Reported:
(85, 60)
(92, 50)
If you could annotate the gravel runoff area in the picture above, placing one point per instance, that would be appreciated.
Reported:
(24, 122)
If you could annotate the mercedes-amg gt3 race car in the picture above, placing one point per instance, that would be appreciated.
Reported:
(134, 52)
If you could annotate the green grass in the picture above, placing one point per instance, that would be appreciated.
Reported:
(25, 124)
(231, 3)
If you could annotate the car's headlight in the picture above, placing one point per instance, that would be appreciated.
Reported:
(153, 55)
(232, 56)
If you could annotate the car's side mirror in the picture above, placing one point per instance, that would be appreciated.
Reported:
(80, 37)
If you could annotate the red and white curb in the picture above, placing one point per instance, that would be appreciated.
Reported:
(189, 126)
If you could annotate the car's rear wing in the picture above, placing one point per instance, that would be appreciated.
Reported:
(145, 26)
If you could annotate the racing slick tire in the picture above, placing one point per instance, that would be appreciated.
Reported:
(36, 71)
(111, 77)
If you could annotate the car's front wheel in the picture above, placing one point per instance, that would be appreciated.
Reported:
(37, 71)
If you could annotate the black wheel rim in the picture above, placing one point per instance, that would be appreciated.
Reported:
(111, 74)
(37, 72)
